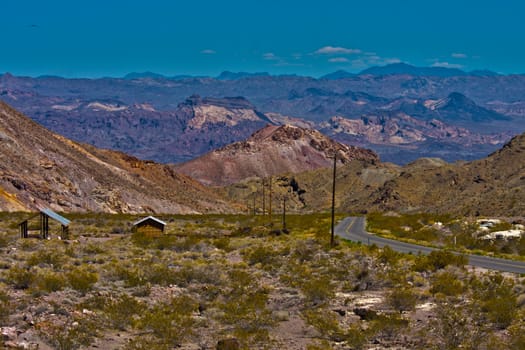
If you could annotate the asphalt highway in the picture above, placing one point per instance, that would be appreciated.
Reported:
(353, 229)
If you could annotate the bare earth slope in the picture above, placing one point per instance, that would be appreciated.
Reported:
(491, 186)
(270, 151)
(40, 168)
(494, 185)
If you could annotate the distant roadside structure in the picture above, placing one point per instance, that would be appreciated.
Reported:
(43, 224)
(149, 225)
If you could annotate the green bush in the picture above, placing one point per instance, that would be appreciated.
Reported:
(5, 306)
(170, 323)
(402, 299)
(81, 279)
(439, 259)
(50, 257)
(49, 281)
(74, 334)
(446, 283)
(19, 277)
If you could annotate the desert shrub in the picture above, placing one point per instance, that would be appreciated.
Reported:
(130, 275)
(402, 299)
(49, 281)
(120, 311)
(318, 289)
(196, 273)
(388, 325)
(265, 255)
(222, 243)
(457, 326)
(161, 274)
(438, 259)
(170, 323)
(389, 256)
(304, 250)
(497, 299)
(446, 283)
(73, 334)
(5, 307)
(19, 277)
(320, 345)
(81, 279)
(147, 342)
(4, 241)
(51, 257)
(93, 249)
(244, 308)
(325, 321)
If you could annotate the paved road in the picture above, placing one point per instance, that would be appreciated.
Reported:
(353, 229)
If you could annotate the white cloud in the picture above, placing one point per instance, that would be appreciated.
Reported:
(208, 52)
(270, 56)
(459, 55)
(333, 50)
(338, 60)
(447, 65)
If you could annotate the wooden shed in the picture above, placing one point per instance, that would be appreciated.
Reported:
(44, 216)
(150, 226)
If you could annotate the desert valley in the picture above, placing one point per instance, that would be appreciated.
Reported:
(244, 258)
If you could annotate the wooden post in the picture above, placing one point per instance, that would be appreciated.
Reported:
(263, 199)
(332, 240)
(284, 213)
(270, 200)
(254, 195)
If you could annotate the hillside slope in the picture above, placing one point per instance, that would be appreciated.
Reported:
(40, 168)
(270, 151)
(493, 186)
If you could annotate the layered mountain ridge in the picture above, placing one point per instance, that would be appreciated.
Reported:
(151, 117)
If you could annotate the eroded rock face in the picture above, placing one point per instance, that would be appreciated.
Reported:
(41, 169)
(270, 151)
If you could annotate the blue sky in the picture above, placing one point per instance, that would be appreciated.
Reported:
(111, 38)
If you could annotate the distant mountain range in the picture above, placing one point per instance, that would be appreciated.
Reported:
(390, 69)
(400, 111)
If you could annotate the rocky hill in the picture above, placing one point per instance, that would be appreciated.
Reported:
(492, 186)
(270, 151)
(41, 168)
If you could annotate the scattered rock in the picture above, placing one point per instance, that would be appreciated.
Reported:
(365, 314)
(228, 344)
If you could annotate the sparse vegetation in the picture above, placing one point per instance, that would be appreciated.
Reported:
(212, 278)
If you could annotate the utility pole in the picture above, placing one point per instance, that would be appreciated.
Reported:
(263, 199)
(284, 213)
(254, 195)
(332, 241)
(270, 200)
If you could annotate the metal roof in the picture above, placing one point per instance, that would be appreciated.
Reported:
(55, 216)
(149, 218)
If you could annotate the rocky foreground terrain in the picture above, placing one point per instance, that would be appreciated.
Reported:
(39, 168)
(234, 282)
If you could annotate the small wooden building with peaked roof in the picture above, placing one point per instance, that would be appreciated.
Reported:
(149, 225)
(44, 216)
